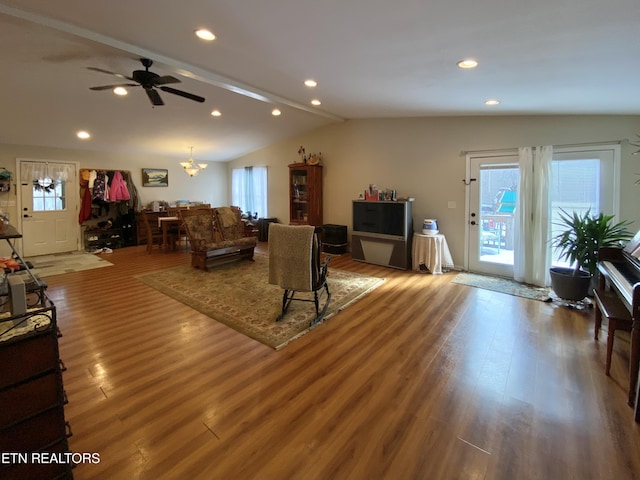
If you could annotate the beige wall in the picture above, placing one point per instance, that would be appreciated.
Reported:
(208, 187)
(421, 157)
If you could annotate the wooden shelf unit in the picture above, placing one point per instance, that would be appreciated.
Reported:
(305, 194)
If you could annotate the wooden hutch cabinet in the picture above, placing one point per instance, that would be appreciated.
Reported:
(305, 194)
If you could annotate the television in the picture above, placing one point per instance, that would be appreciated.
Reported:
(385, 218)
(382, 233)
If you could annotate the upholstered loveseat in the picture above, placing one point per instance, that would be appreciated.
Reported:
(216, 236)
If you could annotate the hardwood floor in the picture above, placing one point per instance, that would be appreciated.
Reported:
(422, 378)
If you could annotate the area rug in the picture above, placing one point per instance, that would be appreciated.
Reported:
(503, 285)
(50, 265)
(239, 295)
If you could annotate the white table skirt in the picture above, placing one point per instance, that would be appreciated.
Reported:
(431, 251)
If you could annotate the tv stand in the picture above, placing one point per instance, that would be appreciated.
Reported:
(382, 233)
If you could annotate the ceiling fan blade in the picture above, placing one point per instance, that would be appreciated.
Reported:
(110, 87)
(109, 73)
(190, 96)
(154, 96)
(165, 79)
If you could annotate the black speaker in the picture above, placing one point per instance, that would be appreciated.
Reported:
(334, 234)
(334, 239)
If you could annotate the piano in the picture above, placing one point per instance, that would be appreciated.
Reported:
(620, 272)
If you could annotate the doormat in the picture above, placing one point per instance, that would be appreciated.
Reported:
(57, 264)
(503, 285)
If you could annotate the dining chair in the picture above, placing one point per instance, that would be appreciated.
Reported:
(153, 229)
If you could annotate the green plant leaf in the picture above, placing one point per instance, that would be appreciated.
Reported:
(583, 235)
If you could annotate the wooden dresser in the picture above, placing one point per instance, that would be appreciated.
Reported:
(32, 422)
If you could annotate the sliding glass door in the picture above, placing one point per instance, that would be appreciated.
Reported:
(582, 178)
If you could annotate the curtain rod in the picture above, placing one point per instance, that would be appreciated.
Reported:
(568, 145)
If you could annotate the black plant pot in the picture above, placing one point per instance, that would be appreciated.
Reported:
(568, 284)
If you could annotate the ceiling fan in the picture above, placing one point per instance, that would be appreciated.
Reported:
(149, 81)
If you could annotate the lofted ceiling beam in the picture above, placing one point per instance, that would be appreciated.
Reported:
(181, 68)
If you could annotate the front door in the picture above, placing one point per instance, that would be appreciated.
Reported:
(48, 210)
(492, 199)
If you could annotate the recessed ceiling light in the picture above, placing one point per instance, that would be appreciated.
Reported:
(204, 34)
(216, 113)
(120, 91)
(468, 63)
(492, 102)
(311, 83)
(83, 135)
(275, 112)
(316, 102)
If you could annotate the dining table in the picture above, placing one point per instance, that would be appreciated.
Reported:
(165, 223)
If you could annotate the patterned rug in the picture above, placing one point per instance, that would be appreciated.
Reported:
(503, 285)
(49, 265)
(238, 294)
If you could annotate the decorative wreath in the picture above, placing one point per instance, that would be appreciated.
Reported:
(47, 188)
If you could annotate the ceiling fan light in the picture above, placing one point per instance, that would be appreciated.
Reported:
(150, 81)
(120, 91)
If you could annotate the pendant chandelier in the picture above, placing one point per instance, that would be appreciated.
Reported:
(192, 168)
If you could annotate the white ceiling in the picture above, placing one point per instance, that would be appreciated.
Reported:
(371, 58)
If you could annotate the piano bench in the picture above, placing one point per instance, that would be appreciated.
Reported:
(608, 304)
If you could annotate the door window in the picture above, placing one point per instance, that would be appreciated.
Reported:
(48, 196)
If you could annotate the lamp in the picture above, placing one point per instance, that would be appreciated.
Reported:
(192, 168)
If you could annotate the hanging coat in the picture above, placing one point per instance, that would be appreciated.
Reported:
(85, 209)
(100, 187)
(118, 191)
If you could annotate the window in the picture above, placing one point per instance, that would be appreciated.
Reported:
(582, 179)
(48, 197)
(49, 183)
(249, 190)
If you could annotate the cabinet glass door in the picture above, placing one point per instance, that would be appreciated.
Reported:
(299, 197)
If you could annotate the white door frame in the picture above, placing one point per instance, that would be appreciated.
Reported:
(19, 241)
(468, 181)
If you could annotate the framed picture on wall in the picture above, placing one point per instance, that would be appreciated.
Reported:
(155, 177)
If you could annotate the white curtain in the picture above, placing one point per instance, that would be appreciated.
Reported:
(249, 190)
(532, 244)
(38, 171)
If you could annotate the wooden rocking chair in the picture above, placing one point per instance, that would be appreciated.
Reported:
(295, 265)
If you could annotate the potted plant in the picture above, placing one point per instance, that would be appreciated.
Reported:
(579, 244)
